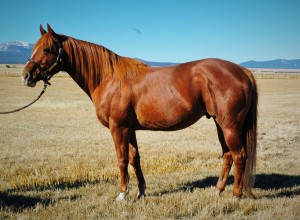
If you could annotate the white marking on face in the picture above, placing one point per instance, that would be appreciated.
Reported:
(35, 51)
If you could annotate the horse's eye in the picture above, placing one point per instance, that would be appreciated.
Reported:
(47, 50)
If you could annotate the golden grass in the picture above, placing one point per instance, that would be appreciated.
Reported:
(58, 162)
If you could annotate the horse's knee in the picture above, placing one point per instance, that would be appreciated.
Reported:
(235, 145)
(239, 157)
(134, 157)
(227, 158)
(135, 161)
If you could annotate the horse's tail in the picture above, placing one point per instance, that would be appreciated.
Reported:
(250, 139)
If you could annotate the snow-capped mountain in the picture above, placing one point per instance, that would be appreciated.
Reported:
(16, 46)
(14, 52)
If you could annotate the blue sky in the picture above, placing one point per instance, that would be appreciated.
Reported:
(165, 30)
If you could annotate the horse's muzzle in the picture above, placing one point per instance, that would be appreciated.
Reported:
(26, 79)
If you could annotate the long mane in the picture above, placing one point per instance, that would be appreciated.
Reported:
(96, 63)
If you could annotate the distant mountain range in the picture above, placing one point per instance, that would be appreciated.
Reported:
(151, 63)
(273, 64)
(15, 52)
(18, 52)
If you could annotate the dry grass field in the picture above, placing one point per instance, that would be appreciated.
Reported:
(58, 162)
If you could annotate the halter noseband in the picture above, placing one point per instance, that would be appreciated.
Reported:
(45, 73)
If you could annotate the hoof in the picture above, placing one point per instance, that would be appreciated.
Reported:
(249, 194)
(121, 197)
(218, 192)
(236, 198)
(140, 196)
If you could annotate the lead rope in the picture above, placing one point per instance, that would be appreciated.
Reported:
(19, 109)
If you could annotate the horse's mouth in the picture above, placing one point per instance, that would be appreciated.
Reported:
(27, 80)
(28, 83)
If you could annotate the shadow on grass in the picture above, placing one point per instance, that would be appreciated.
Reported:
(58, 186)
(19, 202)
(13, 200)
(263, 181)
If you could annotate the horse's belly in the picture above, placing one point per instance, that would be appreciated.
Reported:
(168, 117)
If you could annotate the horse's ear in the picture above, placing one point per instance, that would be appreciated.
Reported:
(42, 30)
(50, 30)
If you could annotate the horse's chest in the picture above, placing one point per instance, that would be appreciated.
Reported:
(102, 116)
(112, 107)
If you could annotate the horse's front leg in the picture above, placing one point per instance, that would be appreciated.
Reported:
(134, 160)
(121, 140)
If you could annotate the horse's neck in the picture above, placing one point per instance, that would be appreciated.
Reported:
(86, 80)
(80, 80)
(88, 64)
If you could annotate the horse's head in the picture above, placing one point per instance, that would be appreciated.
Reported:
(46, 58)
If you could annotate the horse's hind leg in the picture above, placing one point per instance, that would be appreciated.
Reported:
(234, 142)
(227, 162)
(134, 160)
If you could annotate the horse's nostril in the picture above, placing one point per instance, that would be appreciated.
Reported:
(27, 76)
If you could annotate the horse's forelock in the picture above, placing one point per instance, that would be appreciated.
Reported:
(47, 41)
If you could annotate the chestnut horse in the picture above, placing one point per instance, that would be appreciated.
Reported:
(129, 95)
